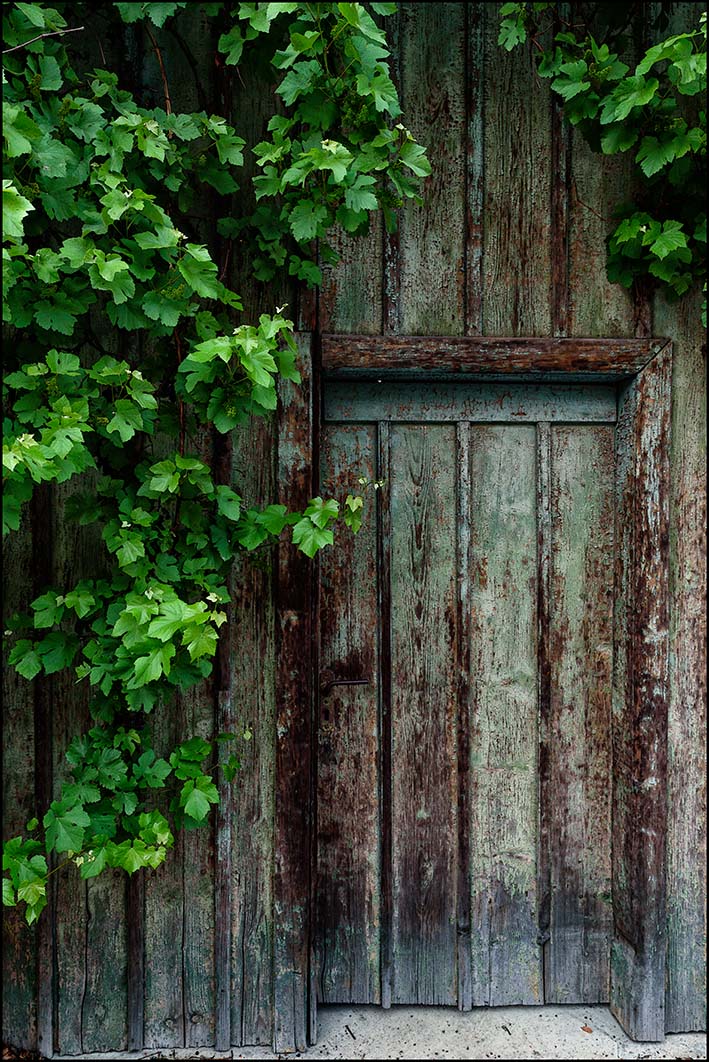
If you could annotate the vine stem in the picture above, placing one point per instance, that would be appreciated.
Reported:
(54, 33)
(577, 199)
(181, 404)
(165, 86)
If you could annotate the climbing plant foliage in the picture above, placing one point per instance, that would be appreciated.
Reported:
(654, 110)
(126, 341)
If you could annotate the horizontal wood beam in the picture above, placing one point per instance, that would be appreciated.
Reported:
(615, 358)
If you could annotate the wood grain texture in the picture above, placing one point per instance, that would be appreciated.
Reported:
(164, 922)
(686, 825)
(84, 1001)
(19, 982)
(293, 823)
(464, 868)
(424, 714)
(475, 165)
(617, 358)
(350, 297)
(406, 401)
(348, 830)
(384, 552)
(578, 786)
(507, 965)
(253, 663)
(104, 1006)
(432, 241)
(597, 307)
(640, 699)
(517, 267)
(196, 709)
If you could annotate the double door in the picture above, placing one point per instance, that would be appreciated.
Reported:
(465, 655)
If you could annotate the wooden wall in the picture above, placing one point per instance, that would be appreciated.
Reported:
(510, 242)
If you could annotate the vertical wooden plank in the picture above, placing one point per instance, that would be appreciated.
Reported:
(475, 175)
(640, 697)
(391, 248)
(136, 961)
(104, 1005)
(224, 722)
(164, 924)
(544, 539)
(196, 708)
(578, 787)
(424, 713)
(432, 240)
(517, 265)
(465, 956)
(348, 898)
(351, 291)
(293, 724)
(385, 704)
(90, 1004)
(504, 732)
(597, 186)
(686, 789)
(19, 985)
(560, 168)
(254, 707)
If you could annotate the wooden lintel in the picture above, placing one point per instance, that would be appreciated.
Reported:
(615, 358)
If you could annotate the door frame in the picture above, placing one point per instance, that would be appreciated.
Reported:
(642, 369)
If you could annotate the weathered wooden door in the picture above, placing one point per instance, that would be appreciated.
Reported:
(464, 792)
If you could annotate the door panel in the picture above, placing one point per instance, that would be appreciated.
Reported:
(422, 493)
(348, 899)
(506, 955)
(463, 796)
(581, 639)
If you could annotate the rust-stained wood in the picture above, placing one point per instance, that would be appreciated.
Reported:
(432, 241)
(464, 869)
(616, 358)
(424, 713)
(348, 895)
(385, 704)
(507, 967)
(511, 219)
(544, 543)
(686, 772)
(294, 678)
(517, 246)
(640, 699)
(578, 780)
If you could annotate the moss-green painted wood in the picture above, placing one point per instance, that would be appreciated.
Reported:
(578, 752)
(423, 713)
(506, 955)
